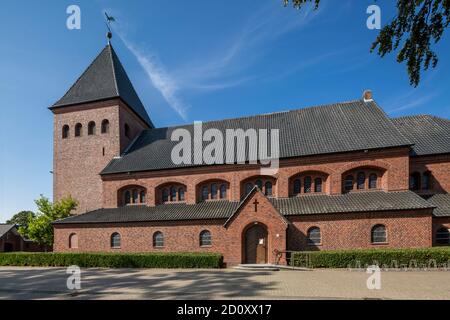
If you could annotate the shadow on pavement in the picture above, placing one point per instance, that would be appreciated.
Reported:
(50, 283)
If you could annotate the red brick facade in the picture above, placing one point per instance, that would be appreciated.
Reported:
(77, 161)
(353, 231)
(438, 223)
(338, 231)
(439, 167)
(393, 164)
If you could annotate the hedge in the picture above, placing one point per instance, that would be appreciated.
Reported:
(384, 258)
(113, 260)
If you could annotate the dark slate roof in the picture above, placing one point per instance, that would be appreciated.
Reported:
(242, 203)
(430, 134)
(168, 212)
(4, 228)
(105, 78)
(340, 127)
(351, 202)
(442, 203)
(314, 204)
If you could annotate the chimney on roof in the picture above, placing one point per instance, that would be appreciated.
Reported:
(367, 95)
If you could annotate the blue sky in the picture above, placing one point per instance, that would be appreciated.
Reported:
(193, 60)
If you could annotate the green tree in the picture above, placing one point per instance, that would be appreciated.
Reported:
(40, 227)
(417, 25)
(21, 219)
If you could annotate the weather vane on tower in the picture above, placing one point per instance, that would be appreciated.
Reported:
(109, 19)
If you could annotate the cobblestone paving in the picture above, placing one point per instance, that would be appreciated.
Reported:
(50, 283)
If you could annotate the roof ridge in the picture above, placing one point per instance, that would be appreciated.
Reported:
(81, 76)
(329, 105)
(393, 124)
(113, 68)
(420, 115)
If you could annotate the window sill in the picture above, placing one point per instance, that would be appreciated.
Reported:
(172, 202)
(206, 246)
(314, 244)
(115, 248)
(379, 243)
(308, 194)
(159, 248)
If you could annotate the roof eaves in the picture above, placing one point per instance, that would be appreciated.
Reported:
(245, 199)
(77, 81)
(113, 68)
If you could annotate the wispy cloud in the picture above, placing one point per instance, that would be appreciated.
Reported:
(160, 79)
(226, 67)
(226, 64)
(410, 100)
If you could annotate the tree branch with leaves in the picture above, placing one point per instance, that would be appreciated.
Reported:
(417, 26)
(40, 228)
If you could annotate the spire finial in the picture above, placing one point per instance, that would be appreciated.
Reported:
(109, 19)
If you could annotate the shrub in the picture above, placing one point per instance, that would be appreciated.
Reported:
(385, 258)
(113, 260)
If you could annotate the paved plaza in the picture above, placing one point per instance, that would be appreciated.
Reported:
(51, 283)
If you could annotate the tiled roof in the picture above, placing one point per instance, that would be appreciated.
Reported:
(167, 212)
(442, 203)
(105, 78)
(4, 228)
(304, 205)
(430, 135)
(351, 202)
(340, 127)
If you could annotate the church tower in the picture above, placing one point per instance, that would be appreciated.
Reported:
(95, 121)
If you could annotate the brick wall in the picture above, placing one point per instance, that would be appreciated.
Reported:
(441, 222)
(77, 161)
(246, 217)
(182, 236)
(394, 162)
(339, 231)
(439, 166)
(405, 229)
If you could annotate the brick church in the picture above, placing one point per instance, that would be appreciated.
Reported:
(349, 177)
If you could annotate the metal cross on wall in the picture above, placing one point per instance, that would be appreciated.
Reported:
(256, 205)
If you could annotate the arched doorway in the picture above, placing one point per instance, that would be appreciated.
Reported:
(255, 244)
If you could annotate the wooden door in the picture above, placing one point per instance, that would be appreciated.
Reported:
(256, 245)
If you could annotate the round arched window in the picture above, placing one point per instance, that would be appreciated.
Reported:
(78, 128)
(158, 239)
(73, 241)
(105, 126)
(91, 128)
(115, 240)
(65, 131)
(307, 184)
(443, 236)
(223, 191)
(297, 186)
(373, 178)
(268, 189)
(318, 185)
(379, 234)
(205, 238)
(314, 236)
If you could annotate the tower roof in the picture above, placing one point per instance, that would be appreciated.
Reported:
(105, 78)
